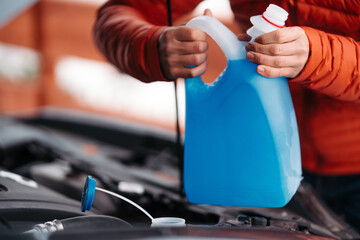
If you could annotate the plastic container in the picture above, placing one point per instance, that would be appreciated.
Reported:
(241, 137)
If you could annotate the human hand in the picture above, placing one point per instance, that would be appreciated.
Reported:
(180, 47)
(283, 52)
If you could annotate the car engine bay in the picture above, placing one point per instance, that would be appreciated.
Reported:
(45, 159)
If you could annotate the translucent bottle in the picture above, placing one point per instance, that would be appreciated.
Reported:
(241, 137)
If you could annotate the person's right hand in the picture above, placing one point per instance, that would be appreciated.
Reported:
(180, 47)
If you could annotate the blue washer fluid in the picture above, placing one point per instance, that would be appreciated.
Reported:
(241, 138)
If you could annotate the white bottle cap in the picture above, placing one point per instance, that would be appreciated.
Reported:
(168, 222)
(272, 19)
(275, 15)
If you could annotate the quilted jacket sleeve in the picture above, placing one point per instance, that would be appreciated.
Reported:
(333, 67)
(127, 32)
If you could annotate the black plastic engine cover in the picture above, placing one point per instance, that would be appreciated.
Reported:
(24, 203)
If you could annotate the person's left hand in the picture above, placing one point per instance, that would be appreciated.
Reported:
(281, 53)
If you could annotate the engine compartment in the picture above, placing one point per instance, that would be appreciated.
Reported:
(45, 160)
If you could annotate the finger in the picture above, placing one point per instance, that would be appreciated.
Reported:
(273, 61)
(190, 47)
(189, 34)
(272, 72)
(191, 72)
(279, 36)
(244, 37)
(208, 12)
(283, 49)
(191, 59)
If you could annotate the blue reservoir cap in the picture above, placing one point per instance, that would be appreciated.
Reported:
(88, 194)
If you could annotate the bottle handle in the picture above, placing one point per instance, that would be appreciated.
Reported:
(233, 48)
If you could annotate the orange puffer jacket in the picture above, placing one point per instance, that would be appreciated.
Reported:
(328, 109)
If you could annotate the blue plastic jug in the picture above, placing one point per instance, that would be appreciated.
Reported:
(241, 137)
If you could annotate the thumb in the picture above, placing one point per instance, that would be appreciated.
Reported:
(208, 12)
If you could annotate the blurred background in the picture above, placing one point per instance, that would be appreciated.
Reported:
(48, 59)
